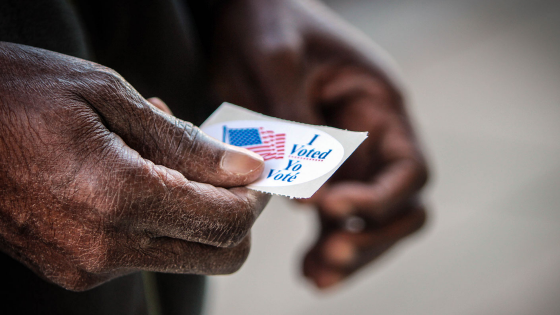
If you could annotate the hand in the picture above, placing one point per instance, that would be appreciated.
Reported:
(96, 182)
(296, 60)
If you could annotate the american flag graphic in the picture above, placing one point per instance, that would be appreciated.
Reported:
(266, 143)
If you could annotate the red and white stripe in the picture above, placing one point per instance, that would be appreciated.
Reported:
(272, 146)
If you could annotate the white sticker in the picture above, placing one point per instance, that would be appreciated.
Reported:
(299, 158)
(289, 150)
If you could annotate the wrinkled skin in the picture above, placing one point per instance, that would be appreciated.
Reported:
(96, 182)
(296, 60)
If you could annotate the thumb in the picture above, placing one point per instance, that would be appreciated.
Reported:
(169, 141)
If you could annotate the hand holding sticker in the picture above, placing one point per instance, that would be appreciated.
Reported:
(298, 158)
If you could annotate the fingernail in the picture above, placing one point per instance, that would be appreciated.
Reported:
(240, 161)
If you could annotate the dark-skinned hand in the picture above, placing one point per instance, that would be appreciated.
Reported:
(296, 60)
(96, 182)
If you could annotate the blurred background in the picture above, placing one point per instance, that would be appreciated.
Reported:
(484, 91)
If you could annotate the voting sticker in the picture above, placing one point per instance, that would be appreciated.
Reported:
(299, 158)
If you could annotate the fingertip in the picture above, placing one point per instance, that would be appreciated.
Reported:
(339, 252)
(319, 275)
(171, 177)
(319, 270)
(327, 279)
(157, 102)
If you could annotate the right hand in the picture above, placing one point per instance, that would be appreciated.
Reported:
(296, 60)
(95, 182)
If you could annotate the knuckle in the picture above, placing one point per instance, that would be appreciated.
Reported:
(189, 144)
(107, 83)
(74, 279)
(237, 226)
(81, 283)
(235, 260)
(78, 282)
(93, 259)
(283, 48)
(196, 142)
(106, 75)
(87, 246)
(187, 129)
(191, 139)
(133, 198)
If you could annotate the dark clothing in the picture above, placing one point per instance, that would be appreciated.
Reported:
(22, 292)
(157, 48)
(156, 45)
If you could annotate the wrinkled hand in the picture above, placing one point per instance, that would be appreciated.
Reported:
(294, 59)
(96, 182)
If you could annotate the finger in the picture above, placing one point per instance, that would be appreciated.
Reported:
(339, 254)
(196, 212)
(350, 250)
(177, 256)
(138, 196)
(376, 200)
(205, 214)
(351, 84)
(316, 270)
(168, 141)
(157, 102)
(389, 164)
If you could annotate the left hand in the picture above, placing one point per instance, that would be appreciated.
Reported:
(296, 60)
